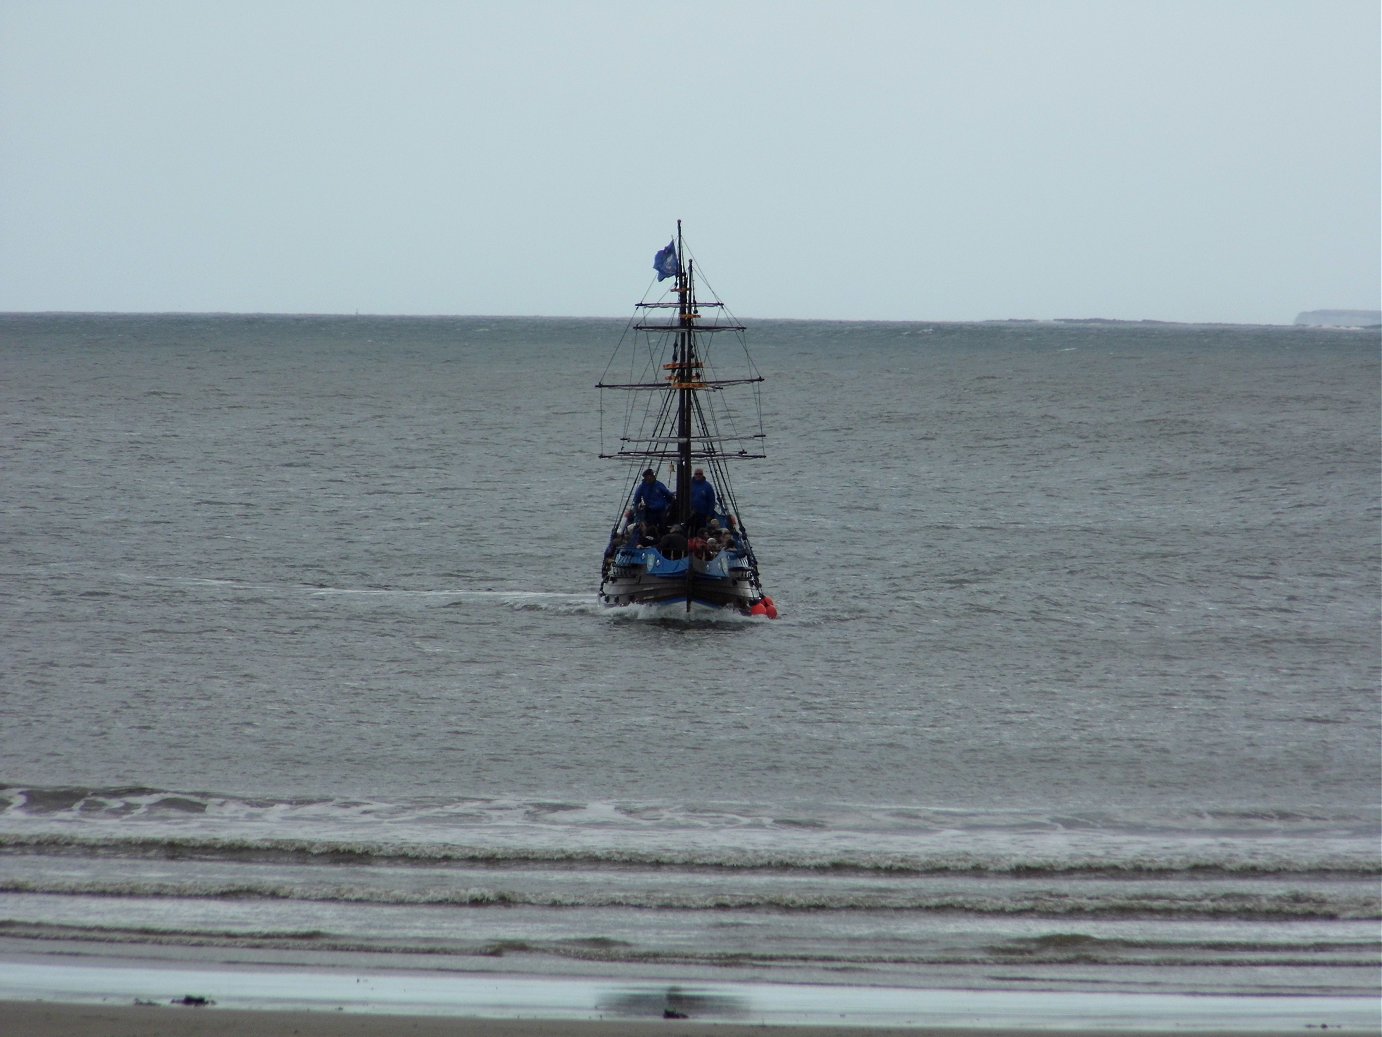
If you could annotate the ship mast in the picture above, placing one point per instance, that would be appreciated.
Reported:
(680, 433)
(686, 375)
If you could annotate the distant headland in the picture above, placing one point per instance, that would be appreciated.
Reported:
(1341, 318)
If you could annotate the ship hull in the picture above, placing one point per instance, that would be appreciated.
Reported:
(686, 585)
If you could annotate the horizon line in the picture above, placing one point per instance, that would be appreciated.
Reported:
(802, 320)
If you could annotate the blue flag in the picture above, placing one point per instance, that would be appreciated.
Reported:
(665, 262)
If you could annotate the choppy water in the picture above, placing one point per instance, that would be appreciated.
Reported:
(1076, 681)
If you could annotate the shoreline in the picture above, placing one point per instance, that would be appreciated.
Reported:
(70, 1019)
(128, 996)
(49, 1019)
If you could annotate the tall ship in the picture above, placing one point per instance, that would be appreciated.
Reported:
(689, 404)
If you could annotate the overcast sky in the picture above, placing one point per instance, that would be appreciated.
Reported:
(1193, 160)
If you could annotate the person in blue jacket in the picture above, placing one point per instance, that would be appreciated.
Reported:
(653, 498)
(702, 500)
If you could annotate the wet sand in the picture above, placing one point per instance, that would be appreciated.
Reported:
(110, 992)
(46, 1019)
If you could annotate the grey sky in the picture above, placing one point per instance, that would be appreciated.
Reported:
(1212, 160)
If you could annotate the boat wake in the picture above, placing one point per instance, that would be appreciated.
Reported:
(677, 616)
(534, 601)
(516, 599)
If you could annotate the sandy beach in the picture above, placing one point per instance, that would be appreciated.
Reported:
(34, 1019)
(44, 1019)
(64, 995)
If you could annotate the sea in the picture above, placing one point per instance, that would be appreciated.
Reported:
(1074, 685)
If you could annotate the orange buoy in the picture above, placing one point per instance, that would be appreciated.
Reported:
(758, 609)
